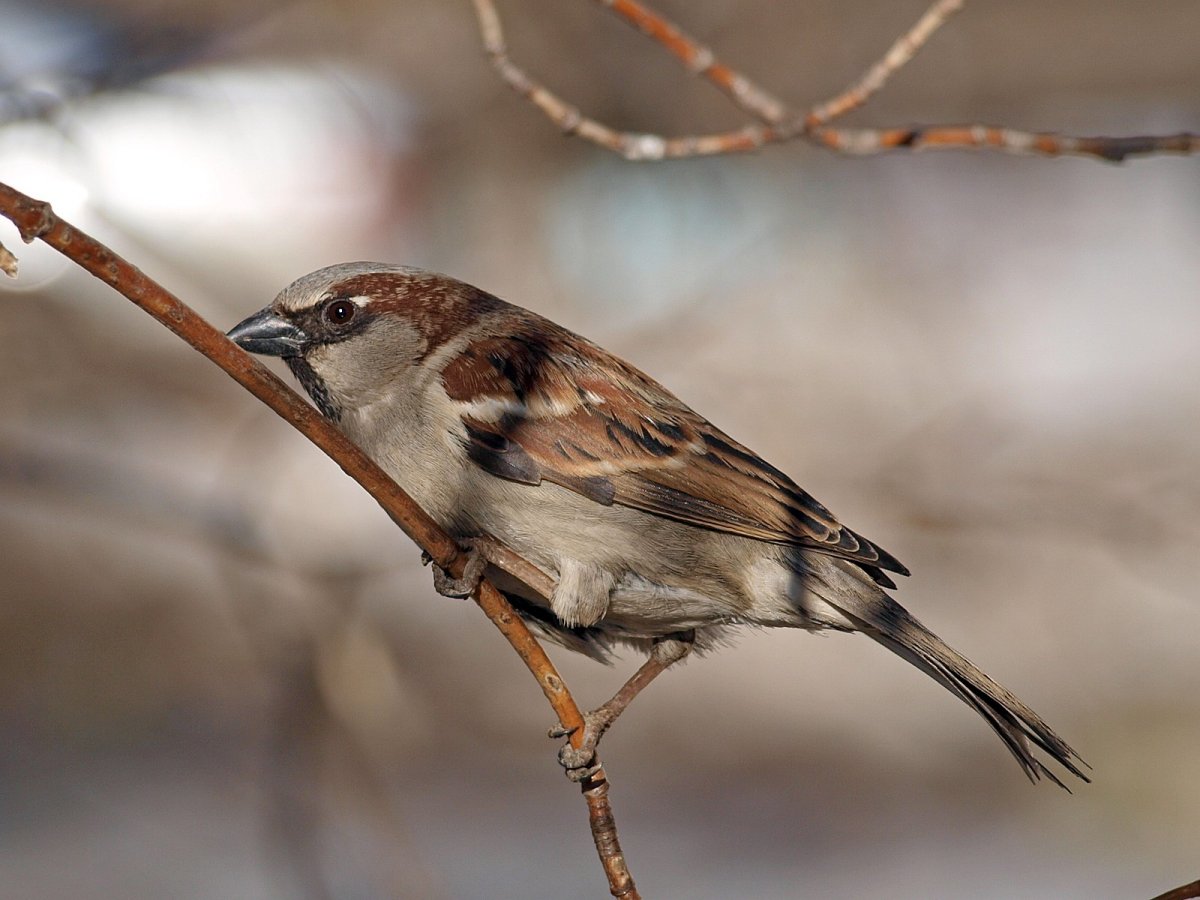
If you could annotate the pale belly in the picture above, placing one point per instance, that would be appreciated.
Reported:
(662, 576)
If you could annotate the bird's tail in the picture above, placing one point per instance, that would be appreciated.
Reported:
(881, 618)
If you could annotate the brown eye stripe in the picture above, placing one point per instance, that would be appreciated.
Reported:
(439, 308)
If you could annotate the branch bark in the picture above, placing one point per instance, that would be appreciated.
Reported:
(1183, 892)
(36, 220)
(778, 123)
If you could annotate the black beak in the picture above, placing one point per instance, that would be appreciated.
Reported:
(268, 333)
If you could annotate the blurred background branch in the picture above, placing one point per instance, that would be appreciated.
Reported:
(784, 125)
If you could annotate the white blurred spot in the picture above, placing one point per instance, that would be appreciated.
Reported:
(38, 161)
(238, 161)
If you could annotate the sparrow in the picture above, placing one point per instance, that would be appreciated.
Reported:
(646, 524)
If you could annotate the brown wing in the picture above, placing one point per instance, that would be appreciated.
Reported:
(547, 405)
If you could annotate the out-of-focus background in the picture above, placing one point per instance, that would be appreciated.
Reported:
(223, 672)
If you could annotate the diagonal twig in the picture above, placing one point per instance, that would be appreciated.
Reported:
(8, 262)
(36, 220)
(701, 60)
(755, 99)
(779, 124)
(631, 145)
(898, 55)
(1183, 892)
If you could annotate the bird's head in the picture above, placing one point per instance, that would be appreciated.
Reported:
(348, 332)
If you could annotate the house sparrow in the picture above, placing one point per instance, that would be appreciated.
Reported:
(654, 527)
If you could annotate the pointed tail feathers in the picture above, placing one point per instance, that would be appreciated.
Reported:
(883, 619)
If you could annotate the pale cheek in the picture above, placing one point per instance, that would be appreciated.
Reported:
(359, 374)
(331, 369)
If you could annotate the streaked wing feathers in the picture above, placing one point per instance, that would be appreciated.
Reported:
(546, 404)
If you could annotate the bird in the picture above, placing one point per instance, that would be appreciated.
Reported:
(652, 527)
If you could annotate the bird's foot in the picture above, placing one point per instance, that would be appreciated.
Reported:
(464, 586)
(580, 762)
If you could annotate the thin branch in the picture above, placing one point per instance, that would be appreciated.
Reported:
(755, 99)
(561, 113)
(868, 141)
(8, 262)
(35, 219)
(571, 121)
(700, 60)
(898, 55)
(1183, 892)
(780, 125)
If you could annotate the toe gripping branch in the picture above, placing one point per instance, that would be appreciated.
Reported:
(580, 762)
(464, 586)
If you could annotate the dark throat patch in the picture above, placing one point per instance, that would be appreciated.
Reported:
(314, 386)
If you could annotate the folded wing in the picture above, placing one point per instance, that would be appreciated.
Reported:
(548, 405)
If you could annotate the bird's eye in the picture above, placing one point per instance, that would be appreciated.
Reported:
(339, 312)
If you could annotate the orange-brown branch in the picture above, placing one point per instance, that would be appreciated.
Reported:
(700, 60)
(780, 124)
(897, 56)
(1183, 892)
(36, 220)
(976, 137)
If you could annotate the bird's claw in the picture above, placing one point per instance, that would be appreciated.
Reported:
(464, 586)
(580, 762)
(582, 773)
